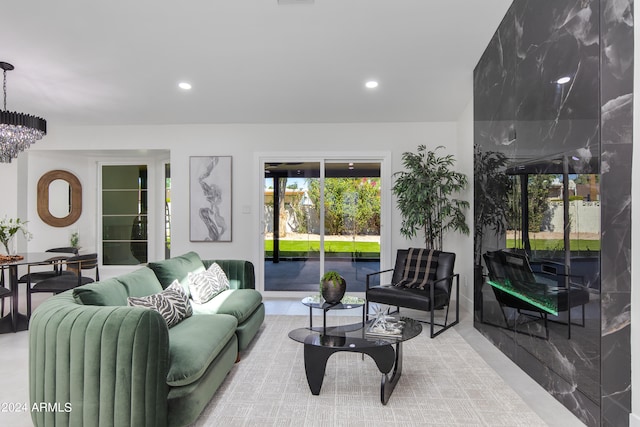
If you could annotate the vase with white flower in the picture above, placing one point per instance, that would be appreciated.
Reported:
(8, 228)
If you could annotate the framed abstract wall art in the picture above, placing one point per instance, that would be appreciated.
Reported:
(210, 198)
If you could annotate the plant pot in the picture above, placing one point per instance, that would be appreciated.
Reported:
(333, 292)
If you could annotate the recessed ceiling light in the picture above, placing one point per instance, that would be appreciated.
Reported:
(371, 84)
(563, 80)
(184, 85)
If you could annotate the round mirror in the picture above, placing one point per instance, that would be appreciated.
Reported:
(59, 198)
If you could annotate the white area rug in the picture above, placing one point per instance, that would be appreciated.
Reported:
(444, 383)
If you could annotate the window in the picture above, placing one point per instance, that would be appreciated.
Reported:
(320, 216)
(124, 214)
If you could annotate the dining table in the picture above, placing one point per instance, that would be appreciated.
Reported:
(16, 321)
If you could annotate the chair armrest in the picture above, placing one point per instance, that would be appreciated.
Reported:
(551, 268)
(432, 287)
(556, 276)
(108, 364)
(241, 273)
(375, 274)
(453, 276)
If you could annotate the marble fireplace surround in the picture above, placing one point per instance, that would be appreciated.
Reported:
(522, 111)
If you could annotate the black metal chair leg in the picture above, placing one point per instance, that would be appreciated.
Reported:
(2, 299)
(29, 298)
(546, 326)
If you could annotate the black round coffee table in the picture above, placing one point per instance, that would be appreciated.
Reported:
(320, 343)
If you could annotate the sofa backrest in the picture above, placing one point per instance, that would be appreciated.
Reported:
(178, 268)
(116, 290)
(240, 273)
(157, 276)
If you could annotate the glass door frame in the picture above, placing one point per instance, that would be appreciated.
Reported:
(260, 159)
(155, 203)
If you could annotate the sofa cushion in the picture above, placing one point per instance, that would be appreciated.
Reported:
(194, 343)
(207, 284)
(107, 292)
(140, 283)
(240, 303)
(172, 303)
(178, 267)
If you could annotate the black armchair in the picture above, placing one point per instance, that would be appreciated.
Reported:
(517, 286)
(434, 295)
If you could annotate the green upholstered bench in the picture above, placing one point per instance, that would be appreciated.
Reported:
(119, 365)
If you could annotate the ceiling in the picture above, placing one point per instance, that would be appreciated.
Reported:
(249, 61)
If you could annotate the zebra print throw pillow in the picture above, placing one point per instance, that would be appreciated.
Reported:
(172, 303)
(207, 284)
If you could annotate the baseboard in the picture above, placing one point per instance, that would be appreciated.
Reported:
(634, 420)
(466, 305)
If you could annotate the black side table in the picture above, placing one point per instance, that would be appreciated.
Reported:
(348, 302)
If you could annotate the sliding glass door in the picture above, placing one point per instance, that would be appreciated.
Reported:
(318, 216)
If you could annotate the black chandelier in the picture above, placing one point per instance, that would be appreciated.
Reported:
(17, 130)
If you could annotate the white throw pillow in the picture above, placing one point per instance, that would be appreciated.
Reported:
(207, 284)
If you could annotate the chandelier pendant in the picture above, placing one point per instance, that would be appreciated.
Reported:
(17, 130)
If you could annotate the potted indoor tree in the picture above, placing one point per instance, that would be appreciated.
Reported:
(425, 196)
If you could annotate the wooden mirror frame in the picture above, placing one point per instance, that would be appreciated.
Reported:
(43, 198)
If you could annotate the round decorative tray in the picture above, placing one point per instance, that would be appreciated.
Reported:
(10, 258)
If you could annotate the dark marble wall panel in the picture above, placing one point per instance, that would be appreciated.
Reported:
(554, 40)
(616, 138)
(494, 79)
(522, 111)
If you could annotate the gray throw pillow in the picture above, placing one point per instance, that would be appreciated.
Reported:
(205, 285)
(172, 303)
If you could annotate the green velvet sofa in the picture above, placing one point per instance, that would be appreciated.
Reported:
(121, 366)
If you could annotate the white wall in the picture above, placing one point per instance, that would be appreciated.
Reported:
(464, 254)
(84, 165)
(10, 187)
(9, 204)
(46, 236)
(240, 141)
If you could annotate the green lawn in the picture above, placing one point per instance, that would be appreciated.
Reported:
(303, 247)
(558, 244)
